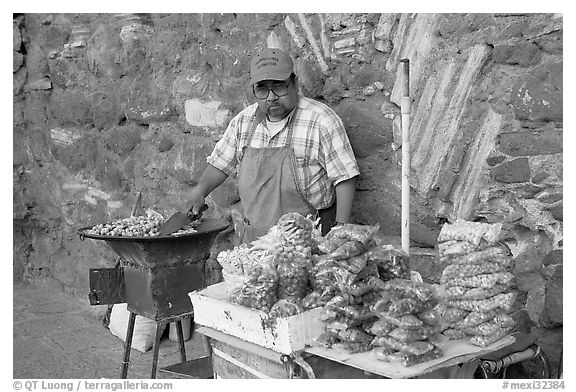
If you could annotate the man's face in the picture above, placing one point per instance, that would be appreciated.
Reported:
(276, 98)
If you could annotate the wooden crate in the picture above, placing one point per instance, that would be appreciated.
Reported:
(284, 335)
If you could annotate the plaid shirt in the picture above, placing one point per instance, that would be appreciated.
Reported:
(323, 153)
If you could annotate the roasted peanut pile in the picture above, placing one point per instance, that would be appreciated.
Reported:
(137, 226)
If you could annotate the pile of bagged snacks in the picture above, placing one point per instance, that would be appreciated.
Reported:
(293, 268)
(271, 273)
(475, 289)
(396, 320)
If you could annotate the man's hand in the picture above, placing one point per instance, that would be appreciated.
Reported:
(211, 179)
(196, 201)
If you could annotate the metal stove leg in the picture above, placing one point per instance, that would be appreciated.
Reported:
(159, 329)
(180, 335)
(128, 345)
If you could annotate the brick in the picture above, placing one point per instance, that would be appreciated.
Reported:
(557, 212)
(16, 36)
(539, 97)
(554, 257)
(17, 61)
(495, 160)
(516, 170)
(523, 54)
(535, 302)
(528, 143)
(528, 280)
(204, 114)
(553, 315)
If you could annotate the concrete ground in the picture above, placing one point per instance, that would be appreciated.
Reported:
(55, 336)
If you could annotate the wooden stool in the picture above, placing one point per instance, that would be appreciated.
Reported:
(160, 326)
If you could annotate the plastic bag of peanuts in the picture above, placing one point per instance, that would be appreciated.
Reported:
(258, 290)
(472, 232)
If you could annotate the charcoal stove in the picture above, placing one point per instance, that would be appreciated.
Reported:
(154, 276)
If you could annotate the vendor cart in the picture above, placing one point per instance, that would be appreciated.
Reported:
(236, 358)
(244, 344)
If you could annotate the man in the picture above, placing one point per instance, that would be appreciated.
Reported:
(290, 153)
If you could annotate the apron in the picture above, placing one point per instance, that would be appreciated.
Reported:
(268, 186)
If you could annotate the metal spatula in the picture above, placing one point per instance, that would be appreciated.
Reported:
(179, 220)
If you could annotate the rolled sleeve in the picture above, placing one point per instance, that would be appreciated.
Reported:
(339, 158)
(223, 156)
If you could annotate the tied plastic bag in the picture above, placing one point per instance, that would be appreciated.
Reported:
(381, 328)
(467, 270)
(369, 271)
(328, 315)
(355, 264)
(459, 292)
(484, 281)
(345, 280)
(493, 254)
(368, 323)
(406, 360)
(484, 341)
(430, 317)
(454, 334)
(285, 308)
(318, 298)
(347, 250)
(354, 335)
(503, 301)
(298, 233)
(491, 327)
(473, 232)
(329, 245)
(341, 324)
(354, 312)
(369, 299)
(408, 321)
(383, 304)
(405, 306)
(456, 248)
(450, 315)
(473, 319)
(411, 335)
(326, 339)
(353, 232)
(418, 347)
(424, 292)
(259, 289)
(391, 262)
(231, 260)
(292, 279)
(359, 288)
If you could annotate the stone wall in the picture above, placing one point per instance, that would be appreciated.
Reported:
(106, 105)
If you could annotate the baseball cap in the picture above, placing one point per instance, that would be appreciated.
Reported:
(271, 64)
